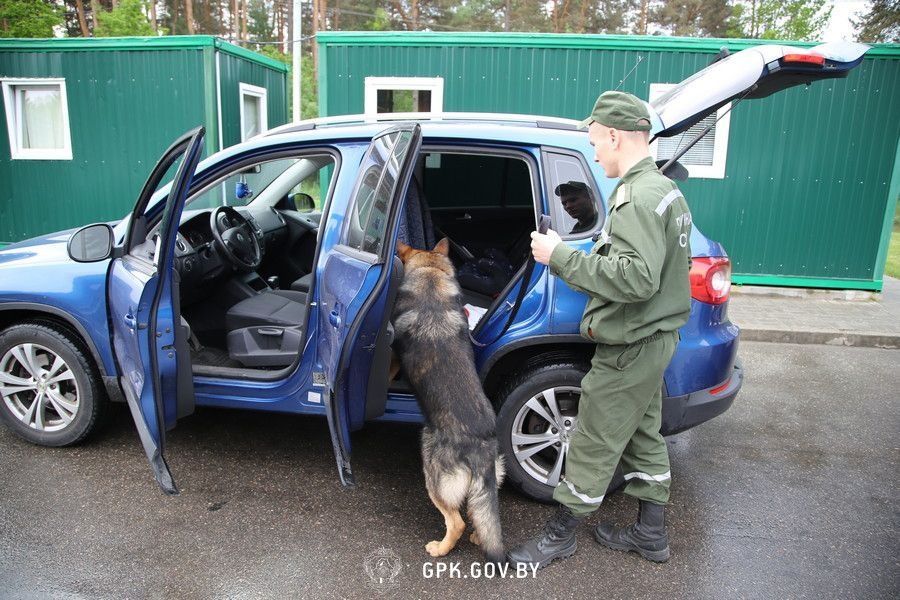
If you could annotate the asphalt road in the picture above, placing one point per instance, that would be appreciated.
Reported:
(792, 493)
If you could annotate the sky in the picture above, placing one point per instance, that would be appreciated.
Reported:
(839, 28)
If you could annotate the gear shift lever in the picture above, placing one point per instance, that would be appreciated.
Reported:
(274, 282)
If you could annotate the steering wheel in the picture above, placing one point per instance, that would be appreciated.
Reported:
(235, 238)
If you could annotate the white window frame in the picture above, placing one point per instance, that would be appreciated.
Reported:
(14, 119)
(435, 85)
(245, 89)
(720, 147)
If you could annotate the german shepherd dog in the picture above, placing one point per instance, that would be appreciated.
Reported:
(459, 443)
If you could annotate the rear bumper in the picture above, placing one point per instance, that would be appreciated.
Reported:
(683, 412)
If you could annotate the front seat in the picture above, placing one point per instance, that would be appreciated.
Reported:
(284, 308)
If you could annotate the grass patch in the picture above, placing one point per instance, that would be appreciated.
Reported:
(892, 267)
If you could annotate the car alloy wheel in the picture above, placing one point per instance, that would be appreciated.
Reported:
(38, 387)
(541, 432)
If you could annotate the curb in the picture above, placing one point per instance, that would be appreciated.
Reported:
(828, 338)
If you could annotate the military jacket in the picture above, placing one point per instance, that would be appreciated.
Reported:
(636, 274)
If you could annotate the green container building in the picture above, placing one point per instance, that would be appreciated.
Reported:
(85, 119)
(800, 187)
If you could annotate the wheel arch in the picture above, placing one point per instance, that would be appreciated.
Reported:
(531, 353)
(12, 313)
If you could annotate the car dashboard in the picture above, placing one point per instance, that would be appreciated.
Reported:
(197, 258)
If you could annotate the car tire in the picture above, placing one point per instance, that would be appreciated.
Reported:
(516, 417)
(73, 400)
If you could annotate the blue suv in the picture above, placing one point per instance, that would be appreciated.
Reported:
(262, 278)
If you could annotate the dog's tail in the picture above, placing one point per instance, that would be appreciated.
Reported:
(484, 512)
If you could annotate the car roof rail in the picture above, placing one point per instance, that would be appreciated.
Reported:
(542, 121)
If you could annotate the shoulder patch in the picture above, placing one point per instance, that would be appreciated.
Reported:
(623, 195)
(667, 200)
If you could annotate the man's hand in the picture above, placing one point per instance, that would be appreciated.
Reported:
(542, 245)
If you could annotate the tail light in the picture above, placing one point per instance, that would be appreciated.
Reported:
(808, 59)
(710, 279)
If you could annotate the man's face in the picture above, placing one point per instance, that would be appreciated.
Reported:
(604, 140)
(577, 204)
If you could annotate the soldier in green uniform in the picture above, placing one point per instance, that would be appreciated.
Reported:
(636, 278)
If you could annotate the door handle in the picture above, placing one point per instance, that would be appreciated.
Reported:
(464, 217)
(334, 318)
(129, 320)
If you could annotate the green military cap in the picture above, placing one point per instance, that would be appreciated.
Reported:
(619, 111)
(571, 187)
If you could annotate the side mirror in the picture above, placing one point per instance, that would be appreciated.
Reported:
(91, 243)
(304, 202)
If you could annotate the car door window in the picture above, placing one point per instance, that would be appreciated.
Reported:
(368, 218)
(574, 200)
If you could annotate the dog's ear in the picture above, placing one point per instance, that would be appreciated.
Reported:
(403, 251)
(443, 247)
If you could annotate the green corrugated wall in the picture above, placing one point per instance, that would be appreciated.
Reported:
(128, 99)
(235, 71)
(807, 196)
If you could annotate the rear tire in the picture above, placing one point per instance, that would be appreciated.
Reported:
(44, 363)
(525, 402)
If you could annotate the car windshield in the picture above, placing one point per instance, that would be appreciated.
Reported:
(306, 180)
(267, 183)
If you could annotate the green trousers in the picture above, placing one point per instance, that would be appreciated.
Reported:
(619, 417)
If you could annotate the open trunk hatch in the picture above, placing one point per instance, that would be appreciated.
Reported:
(758, 72)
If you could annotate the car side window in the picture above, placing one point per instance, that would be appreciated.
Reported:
(574, 200)
(368, 218)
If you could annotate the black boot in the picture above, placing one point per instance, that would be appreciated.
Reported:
(647, 537)
(556, 540)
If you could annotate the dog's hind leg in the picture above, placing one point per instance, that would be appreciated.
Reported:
(447, 494)
(455, 526)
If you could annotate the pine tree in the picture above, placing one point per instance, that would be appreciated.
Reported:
(881, 23)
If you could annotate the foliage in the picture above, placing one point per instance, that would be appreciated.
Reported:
(309, 107)
(696, 18)
(125, 19)
(881, 23)
(802, 20)
(28, 18)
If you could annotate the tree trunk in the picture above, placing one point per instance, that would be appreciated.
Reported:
(235, 19)
(189, 15)
(96, 9)
(315, 30)
(82, 22)
(152, 15)
(289, 38)
(244, 10)
(642, 20)
(754, 26)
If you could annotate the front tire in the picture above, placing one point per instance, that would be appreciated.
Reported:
(50, 391)
(538, 414)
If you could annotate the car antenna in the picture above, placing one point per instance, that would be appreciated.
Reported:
(681, 152)
(621, 81)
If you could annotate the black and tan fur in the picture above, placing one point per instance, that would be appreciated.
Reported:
(459, 443)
